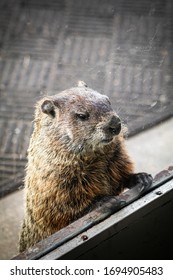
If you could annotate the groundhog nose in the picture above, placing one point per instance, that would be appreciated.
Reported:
(114, 126)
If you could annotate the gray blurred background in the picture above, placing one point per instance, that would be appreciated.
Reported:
(122, 48)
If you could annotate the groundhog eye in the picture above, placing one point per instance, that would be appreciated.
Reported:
(82, 116)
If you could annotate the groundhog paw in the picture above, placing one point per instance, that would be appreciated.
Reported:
(142, 180)
(111, 205)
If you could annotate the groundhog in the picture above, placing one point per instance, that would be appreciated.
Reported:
(77, 157)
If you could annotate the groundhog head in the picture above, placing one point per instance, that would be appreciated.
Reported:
(79, 119)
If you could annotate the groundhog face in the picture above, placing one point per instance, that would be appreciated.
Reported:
(81, 119)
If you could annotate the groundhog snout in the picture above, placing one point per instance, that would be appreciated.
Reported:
(112, 126)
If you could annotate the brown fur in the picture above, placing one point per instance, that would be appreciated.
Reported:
(70, 165)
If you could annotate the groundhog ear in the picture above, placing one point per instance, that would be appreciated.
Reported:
(48, 108)
(82, 84)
